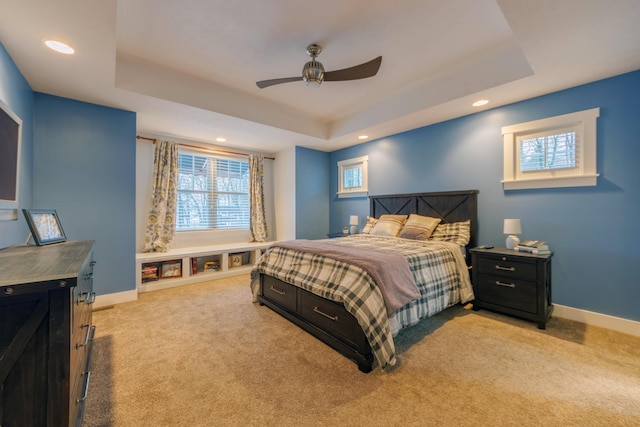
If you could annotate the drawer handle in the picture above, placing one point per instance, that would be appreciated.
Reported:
(334, 318)
(499, 267)
(88, 276)
(90, 298)
(508, 285)
(278, 291)
(87, 335)
(85, 389)
(87, 297)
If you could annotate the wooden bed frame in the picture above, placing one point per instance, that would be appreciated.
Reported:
(330, 321)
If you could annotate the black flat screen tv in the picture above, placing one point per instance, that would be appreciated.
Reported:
(10, 141)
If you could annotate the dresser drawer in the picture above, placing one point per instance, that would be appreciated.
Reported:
(506, 266)
(333, 318)
(279, 292)
(517, 294)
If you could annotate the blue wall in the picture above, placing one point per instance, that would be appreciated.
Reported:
(16, 93)
(593, 231)
(84, 167)
(312, 187)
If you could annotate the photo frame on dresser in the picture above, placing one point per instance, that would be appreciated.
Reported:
(45, 226)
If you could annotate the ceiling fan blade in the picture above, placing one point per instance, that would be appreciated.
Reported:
(266, 83)
(362, 71)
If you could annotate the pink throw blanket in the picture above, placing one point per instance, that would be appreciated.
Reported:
(390, 271)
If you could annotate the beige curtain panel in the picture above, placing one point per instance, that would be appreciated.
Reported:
(161, 222)
(258, 224)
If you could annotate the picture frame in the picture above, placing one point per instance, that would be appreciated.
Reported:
(235, 260)
(45, 226)
(171, 269)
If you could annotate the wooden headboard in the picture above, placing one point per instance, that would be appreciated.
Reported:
(449, 206)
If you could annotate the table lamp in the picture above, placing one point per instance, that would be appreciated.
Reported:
(512, 227)
(353, 222)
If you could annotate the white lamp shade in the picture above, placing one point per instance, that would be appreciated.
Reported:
(512, 226)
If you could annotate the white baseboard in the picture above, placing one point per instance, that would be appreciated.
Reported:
(618, 324)
(113, 299)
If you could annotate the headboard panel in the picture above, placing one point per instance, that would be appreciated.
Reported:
(449, 206)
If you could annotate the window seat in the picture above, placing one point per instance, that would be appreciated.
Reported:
(184, 266)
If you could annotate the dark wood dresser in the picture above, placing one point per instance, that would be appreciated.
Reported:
(46, 333)
(514, 283)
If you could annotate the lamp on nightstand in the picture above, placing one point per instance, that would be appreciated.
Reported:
(512, 227)
(353, 222)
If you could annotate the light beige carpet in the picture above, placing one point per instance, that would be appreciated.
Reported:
(205, 355)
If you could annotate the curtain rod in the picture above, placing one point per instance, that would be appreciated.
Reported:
(202, 148)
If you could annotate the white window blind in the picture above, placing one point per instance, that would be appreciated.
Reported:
(213, 193)
(546, 151)
(353, 177)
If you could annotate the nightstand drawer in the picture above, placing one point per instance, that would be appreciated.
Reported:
(516, 294)
(506, 266)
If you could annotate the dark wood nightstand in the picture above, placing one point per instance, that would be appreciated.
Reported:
(514, 283)
(334, 235)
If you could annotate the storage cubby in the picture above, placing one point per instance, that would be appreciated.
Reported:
(150, 272)
(239, 259)
(171, 269)
(206, 264)
(177, 267)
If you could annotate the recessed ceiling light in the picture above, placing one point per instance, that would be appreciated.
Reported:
(480, 103)
(363, 137)
(221, 139)
(59, 47)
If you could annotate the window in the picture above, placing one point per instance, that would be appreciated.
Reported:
(554, 152)
(352, 177)
(547, 151)
(213, 192)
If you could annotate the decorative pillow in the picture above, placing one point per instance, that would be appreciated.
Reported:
(419, 227)
(389, 225)
(455, 232)
(371, 221)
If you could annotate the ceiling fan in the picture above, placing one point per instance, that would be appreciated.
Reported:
(313, 73)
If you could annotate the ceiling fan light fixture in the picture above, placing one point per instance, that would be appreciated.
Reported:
(313, 74)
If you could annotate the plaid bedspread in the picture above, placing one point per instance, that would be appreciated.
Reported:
(438, 268)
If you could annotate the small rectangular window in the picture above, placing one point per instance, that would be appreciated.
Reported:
(548, 150)
(557, 151)
(352, 177)
(213, 193)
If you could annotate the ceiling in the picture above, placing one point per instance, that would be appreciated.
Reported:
(188, 68)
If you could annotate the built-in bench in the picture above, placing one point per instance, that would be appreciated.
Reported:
(177, 267)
